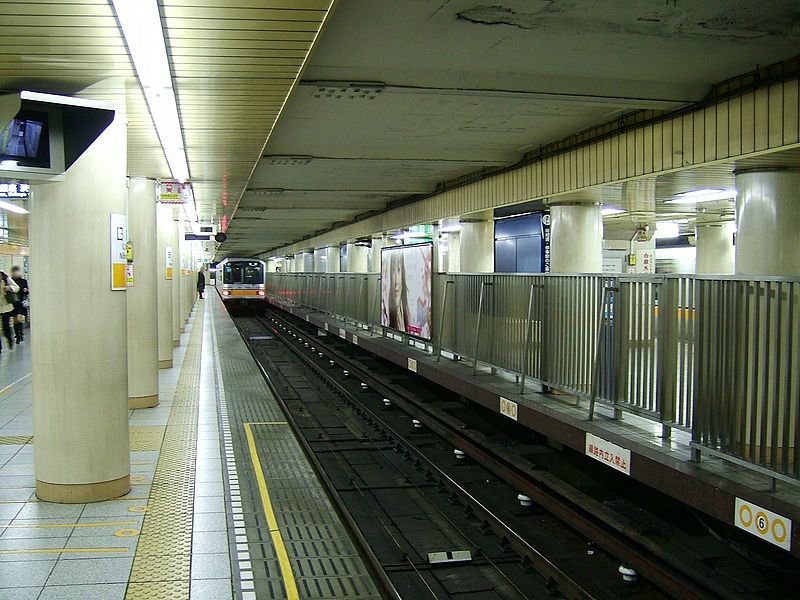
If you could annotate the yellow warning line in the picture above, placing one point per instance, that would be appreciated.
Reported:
(274, 531)
(267, 423)
(11, 385)
(61, 550)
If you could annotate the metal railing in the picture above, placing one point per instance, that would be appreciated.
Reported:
(718, 357)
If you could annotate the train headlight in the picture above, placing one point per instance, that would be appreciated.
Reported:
(261, 292)
(226, 293)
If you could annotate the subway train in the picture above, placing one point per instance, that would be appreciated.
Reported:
(241, 282)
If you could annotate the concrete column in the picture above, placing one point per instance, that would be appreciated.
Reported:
(143, 296)
(166, 236)
(714, 249)
(378, 242)
(332, 263)
(477, 244)
(576, 238)
(768, 222)
(357, 258)
(319, 263)
(272, 265)
(79, 348)
(177, 315)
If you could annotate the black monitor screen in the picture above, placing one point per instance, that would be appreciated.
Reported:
(25, 140)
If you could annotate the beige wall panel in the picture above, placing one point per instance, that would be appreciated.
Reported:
(710, 134)
(776, 99)
(722, 131)
(748, 124)
(735, 126)
(761, 116)
(791, 129)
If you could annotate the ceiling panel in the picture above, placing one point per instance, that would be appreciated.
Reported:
(233, 68)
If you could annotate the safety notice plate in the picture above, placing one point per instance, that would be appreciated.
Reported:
(608, 453)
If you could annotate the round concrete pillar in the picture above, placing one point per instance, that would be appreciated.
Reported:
(142, 297)
(768, 222)
(357, 258)
(576, 238)
(79, 348)
(177, 303)
(714, 249)
(332, 264)
(166, 236)
(476, 247)
(374, 260)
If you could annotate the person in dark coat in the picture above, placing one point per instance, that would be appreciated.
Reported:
(201, 283)
(21, 305)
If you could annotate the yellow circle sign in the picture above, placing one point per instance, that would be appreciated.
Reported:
(746, 515)
(779, 530)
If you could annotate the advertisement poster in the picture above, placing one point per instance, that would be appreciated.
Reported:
(406, 275)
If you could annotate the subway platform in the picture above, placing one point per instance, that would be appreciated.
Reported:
(223, 503)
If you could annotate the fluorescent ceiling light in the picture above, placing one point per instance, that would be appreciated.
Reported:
(667, 230)
(141, 26)
(450, 228)
(704, 195)
(611, 210)
(10, 207)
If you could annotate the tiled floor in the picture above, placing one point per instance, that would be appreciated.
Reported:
(52, 551)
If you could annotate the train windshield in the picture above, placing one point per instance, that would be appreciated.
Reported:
(242, 273)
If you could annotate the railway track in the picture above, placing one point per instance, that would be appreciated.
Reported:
(432, 488)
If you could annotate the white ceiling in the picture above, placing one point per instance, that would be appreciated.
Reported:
(467, 85)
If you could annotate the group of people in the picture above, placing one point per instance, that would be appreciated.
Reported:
(14, 295)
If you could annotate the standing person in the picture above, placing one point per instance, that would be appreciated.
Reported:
(201, 283)
(21, 305)
(9, 291)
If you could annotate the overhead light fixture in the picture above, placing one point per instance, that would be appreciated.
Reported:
(611, 210)
(450, 228)
(667, 230)
(141, 25)
(10, 207)
(704, 195)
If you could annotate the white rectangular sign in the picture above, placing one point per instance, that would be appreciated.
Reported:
(608, 453)
(342, 333)
(168, 263)
(355, 340)
(412, 365)
(762, 523)
(326, 326)
(508, 408)
(119, 237)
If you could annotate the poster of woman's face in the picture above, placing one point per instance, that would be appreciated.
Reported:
(406, 289)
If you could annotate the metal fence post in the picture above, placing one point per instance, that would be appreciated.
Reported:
(601, 326)
(441, 319)
(484, 284)
(527, 342)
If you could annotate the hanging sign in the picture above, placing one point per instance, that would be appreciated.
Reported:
(172, 192)
(168, 263)
(119, 237)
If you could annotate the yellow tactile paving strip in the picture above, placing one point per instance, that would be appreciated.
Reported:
(142, 438)
(161, 566)
(10, 440)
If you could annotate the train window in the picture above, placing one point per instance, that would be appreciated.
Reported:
(252, 273)
(232, 273)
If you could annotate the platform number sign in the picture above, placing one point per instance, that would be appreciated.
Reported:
(762, 523)
(508, 408)
(412, 365)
